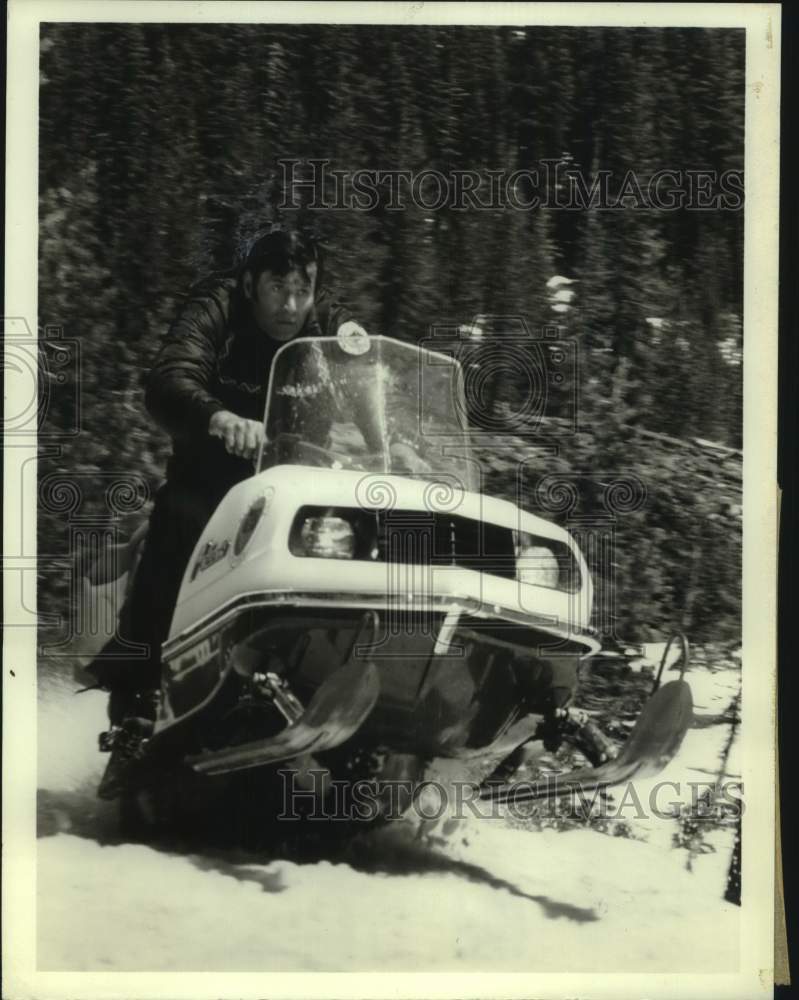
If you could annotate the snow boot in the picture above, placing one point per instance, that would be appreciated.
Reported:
(126, 744)
(132, 716)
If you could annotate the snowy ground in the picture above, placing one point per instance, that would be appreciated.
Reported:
(492, 896)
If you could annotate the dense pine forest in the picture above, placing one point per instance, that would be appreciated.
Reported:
(160, 150)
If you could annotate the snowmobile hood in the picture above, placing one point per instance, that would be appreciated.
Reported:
(245, 551)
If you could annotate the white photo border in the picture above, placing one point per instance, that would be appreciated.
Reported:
(755, 977)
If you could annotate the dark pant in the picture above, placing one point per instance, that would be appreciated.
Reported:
(179, 515)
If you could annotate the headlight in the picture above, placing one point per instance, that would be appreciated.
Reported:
(324, 537)
(538, 565)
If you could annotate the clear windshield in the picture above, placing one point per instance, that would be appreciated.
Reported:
(393, 408)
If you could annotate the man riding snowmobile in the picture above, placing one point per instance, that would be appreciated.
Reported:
(207, 389)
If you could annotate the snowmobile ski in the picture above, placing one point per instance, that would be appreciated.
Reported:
(336, 711)
(655, 739)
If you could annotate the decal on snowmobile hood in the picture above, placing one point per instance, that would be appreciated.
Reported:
(249, 522)
(211, 553)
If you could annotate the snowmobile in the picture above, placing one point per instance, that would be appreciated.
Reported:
(359, 608)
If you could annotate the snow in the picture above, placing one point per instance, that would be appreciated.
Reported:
(614, 904)
(478, 894)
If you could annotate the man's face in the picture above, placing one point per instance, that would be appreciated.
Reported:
(281, 303)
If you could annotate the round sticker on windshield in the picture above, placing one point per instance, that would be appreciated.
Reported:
(352, 338)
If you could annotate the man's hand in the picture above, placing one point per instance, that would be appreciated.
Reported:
(240, 436)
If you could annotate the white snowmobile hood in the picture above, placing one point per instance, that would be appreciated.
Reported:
(226, 567)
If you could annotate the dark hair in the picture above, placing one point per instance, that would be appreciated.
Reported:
(282, 251)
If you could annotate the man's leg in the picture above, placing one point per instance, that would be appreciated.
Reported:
(178, 518)
(176, 523)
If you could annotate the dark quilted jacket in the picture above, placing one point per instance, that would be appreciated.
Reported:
(215, 358)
